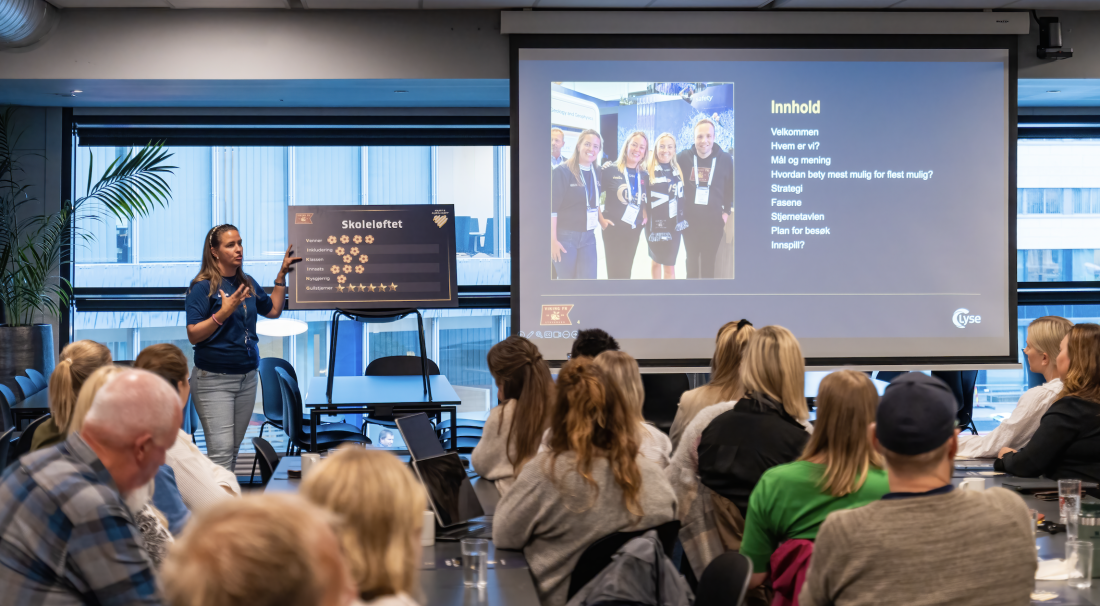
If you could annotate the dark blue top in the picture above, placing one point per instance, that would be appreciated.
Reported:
(233, 348)
(167, 498)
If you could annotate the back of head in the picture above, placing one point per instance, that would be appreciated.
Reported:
(1046, 334)
(593, 342)
(591, 418)
(773, 366)
(1082, 380)
(164, 359)
(87, 394)
(132, 403)
(522, 375)
(623, 371)
(915, 424)
(78, 361)
(267, 550)
(846, 403)
(725, 366)
(380, 505)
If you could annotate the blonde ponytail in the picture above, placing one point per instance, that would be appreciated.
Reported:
(78, 360)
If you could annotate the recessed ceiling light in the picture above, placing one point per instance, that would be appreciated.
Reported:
(1054, 92)
(75, 92)
(400, 91)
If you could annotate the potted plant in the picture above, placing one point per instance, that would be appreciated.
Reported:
(34, 244)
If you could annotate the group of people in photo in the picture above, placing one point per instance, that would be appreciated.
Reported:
(652, 188)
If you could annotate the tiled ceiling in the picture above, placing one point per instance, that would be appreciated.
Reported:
(609, 4)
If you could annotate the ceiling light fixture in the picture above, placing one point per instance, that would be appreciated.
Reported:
(76, 92)
(1054, 92)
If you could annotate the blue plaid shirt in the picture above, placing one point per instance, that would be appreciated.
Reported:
(66, 536)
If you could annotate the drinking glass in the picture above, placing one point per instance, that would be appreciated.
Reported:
(1035, 527)
(475, 562)
(1073, 521)
(1079, 564)
(1069, 497)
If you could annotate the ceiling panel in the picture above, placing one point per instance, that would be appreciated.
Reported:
(229, 4)
(362, 4)
(713, 4)
(950, 4)
(832, 4)
(109, 3)
(1056, 5)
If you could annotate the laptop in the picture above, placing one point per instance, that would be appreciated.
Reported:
(974, 464)
(419, 436)
(452, 498)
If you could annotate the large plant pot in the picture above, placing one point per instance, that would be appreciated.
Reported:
(23, 347)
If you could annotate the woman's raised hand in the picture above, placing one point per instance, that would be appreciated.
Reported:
(232, 302)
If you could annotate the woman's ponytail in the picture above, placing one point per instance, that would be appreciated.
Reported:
(78, 360)
(523, 376)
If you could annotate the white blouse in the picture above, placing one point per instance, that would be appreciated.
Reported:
(1015, 431)
(201, 481)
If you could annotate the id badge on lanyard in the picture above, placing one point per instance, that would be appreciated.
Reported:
(632, 208)
(593, 213)
(702, 192)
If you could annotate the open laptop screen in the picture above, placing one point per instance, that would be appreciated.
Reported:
(419, 436)
(449, 489)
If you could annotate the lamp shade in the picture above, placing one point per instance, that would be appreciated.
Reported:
(282, 327)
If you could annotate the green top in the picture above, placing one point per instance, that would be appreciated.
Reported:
(47, 434)
(788, 503)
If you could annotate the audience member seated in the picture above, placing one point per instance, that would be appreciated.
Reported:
(511, 435)
(838, 470)
(725, 377)
(924, 542)
(380, 505)
(622, 368)
(201, 482)
(78, 360)
(592, 342)
(1067, 442)
(1044, 338)
(67, 532)
(727, 447)
(590, 484)
(269, 550)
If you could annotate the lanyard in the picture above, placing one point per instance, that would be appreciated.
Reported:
(596, 184)
(637, 193)
(695, 164)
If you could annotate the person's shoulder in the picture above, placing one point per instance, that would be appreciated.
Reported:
(993, 499)
(795, 471)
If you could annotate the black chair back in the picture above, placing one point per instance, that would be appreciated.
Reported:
(26, 385)
(725, 581)
(23, 444)
(662, 397)
(5, 447)
(599, 554)
(291, 410)
(397, 366)
(7, 400)
(266, 457)
(37, 377)
(269, 387)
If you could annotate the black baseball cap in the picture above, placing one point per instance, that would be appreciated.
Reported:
(916, 414)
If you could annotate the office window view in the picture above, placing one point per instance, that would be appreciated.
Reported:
(252, 187)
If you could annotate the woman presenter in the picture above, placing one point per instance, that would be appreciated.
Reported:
(626, 184)
(222, 305)
(575, 210)
(666, 208)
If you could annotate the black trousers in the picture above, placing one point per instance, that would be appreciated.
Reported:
(701, 245)
(620, 243)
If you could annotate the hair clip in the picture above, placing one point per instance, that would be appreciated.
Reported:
(743, 323)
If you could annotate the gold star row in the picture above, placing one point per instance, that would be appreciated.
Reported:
(366, 287)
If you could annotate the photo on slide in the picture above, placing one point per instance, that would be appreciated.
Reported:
(642, 180)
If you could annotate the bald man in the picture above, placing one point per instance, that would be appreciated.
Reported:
(68, 536)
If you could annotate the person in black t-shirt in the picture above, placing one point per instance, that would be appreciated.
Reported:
(666, 207)
(626, 189)
(708, 198)
(575, 210)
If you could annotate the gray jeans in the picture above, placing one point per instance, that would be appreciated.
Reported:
(225, 404)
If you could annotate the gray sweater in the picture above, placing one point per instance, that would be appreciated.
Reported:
(490, 456)
(555, 518)
(962, 547)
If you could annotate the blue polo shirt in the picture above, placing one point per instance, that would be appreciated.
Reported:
(233, 348)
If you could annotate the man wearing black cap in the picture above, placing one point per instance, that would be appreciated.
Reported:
(924, 542)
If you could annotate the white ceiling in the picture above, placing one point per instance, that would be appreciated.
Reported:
(631, 4)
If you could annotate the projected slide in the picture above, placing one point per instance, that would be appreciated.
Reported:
(859, 197)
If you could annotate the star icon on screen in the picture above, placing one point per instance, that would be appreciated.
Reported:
(347, 269)
(393, 286)
(347, 258)
(358, 269)
(344, 239)
(362, 288)
(340, 287)
(383, 287)
(372, 287)
(354, 250)
(341, 279)
(357, 239)
(332, 239)
(362, 258)
(339, 250)
(369, 239)
(335, 269)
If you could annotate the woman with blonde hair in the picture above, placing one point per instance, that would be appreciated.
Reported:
(381, 507)
(839, 469)
(1067, 442)
(575, 209)
(666, 208)
(623, 370)
(78, 360)
(725, 377)
(1044, 339)
(626, 199)
(515, 426)
(589, 484)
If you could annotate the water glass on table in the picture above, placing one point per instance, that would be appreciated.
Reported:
(475, 562)
(1069, 497)
(1034, 513)
(1079, 564)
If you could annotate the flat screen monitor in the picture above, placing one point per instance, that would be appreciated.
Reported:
(449, 489)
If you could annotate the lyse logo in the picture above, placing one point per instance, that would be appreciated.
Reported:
(962, 317)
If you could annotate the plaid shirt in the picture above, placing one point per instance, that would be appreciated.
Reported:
(66, 536)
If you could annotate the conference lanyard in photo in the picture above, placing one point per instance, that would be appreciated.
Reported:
(593, 210)
(633, 204)
(702, 192)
